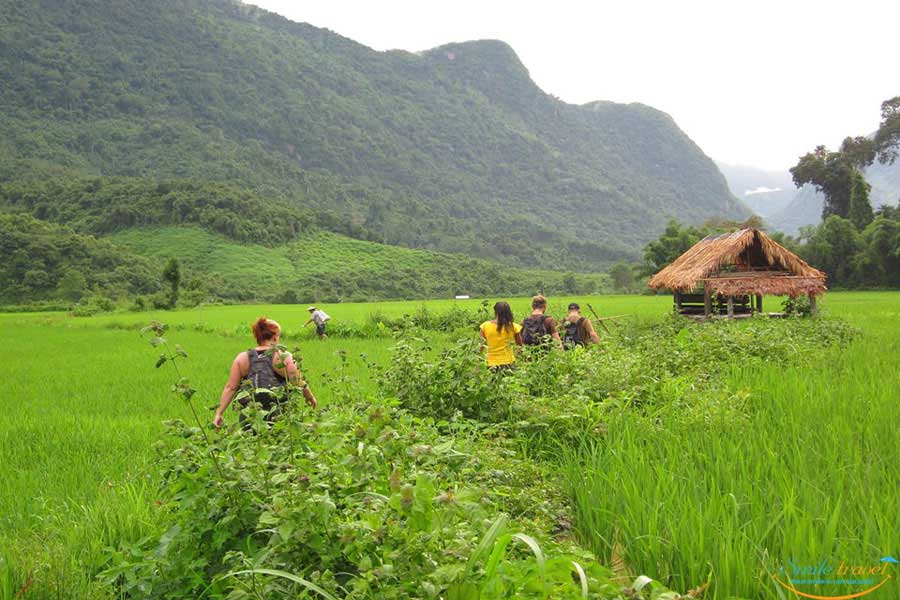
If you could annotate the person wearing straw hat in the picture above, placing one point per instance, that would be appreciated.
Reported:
(320, 318)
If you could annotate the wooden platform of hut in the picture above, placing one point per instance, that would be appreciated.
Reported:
(727, 276)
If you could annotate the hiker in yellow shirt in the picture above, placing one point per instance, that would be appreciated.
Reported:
(498, 336)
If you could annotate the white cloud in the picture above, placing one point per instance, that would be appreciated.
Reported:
(761, 190)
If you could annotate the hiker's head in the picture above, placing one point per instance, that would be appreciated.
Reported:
(266, 331)
(504, 315)
(311, 309)
(574, 309)
(539, 303)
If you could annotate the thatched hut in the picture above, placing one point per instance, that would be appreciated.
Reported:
(730, 273)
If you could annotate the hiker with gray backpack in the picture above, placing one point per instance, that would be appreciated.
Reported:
(540, 329)
(578, 330)
(265, 370)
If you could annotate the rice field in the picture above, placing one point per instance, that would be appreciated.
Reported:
(807, 472)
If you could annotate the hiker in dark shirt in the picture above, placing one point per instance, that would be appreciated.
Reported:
(540, 329)
(578, 330)
(264, 367)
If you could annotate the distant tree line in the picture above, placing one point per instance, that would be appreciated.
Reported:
(101, 206)
(51, 263)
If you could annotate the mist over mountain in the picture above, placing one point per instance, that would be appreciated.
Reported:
(454, 149)
(805, 208)
(764, 192)
(773, 195)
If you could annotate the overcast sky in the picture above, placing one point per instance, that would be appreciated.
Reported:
(754, 83)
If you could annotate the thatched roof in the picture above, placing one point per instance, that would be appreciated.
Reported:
(743, 262)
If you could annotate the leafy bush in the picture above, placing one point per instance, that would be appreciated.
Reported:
(644, 365)
(92, 305)
(359, 500)
(798, 306)
(403, 496)
(455, 381)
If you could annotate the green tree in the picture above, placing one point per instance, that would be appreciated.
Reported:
(882, 249)
(860, 212)
(832, 247)
(72, 285)
(172, 276)
(673, 242)
(622, 276)
(887, 138)
(832, 172)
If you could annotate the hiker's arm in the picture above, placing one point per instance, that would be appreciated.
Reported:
(519, 341)
(310, 397)
(554, 334)
(308, 321)
(592, 332)
(293, 374)
(483, 345)
(230, 389)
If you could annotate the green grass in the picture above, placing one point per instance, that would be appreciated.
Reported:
(292, 316)
(808, 470)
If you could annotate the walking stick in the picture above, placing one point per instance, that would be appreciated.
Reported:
(601, 320)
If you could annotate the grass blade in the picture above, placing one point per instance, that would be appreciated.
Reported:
(582, 577)
(538, 554)
(486, 542)
(285, 575)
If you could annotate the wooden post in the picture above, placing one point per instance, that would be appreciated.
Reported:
(677, 302)
(730, 307)
(759, 303)
(707, 302)
(813, 309)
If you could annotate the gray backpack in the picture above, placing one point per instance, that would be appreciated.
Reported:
(261, 374)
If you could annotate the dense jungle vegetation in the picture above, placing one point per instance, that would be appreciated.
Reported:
(454, 149)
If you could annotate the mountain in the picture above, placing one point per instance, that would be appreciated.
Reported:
(806, 206)
(453, 149)
(763, 192)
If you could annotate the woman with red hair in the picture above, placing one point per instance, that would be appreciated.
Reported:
(265, 368)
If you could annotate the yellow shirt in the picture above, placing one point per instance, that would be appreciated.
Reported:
(500, 344)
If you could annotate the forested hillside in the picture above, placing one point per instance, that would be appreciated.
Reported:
(111, 237)
(43, 260)
(454, 149)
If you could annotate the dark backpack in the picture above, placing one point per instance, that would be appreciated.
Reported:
(572, 335)
(262, 375)
(534, 331)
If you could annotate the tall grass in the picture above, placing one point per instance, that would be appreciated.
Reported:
(84, 409)
(800, 463)
(790, 460)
